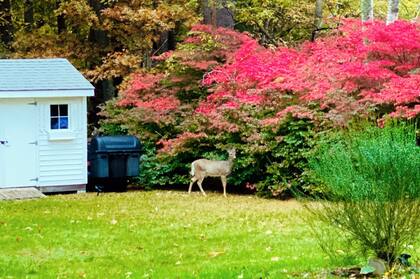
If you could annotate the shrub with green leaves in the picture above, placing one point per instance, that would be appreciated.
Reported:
(372, 178)
(270, 160)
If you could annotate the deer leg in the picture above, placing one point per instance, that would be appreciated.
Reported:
(223, 178)
(194, 179)
(200, 181)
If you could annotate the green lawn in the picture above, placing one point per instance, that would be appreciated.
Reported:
(158, 234)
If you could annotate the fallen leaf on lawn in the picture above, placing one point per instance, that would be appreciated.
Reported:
(213, 254)
(275, 259)
(178, 263)
(28, 229)
(113, 222)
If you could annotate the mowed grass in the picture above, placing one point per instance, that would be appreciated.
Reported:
(157, 234)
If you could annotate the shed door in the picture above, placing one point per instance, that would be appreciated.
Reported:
(18, 146)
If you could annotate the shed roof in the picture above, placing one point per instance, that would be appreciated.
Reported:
(40, 75)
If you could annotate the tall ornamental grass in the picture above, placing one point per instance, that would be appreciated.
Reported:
(373, 182)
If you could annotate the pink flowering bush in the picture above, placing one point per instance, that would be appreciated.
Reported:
(221, 88)
(374, 67)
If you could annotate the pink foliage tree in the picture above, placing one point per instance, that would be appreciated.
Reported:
(353, 71)
(221, 87)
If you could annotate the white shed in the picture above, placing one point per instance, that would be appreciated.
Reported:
(43, 125)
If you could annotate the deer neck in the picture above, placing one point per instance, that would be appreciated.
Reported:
(230, 161)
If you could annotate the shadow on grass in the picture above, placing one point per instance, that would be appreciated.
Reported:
(210, 184)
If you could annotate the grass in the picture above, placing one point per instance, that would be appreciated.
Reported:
(158, 234)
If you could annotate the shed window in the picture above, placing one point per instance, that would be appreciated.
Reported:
(59, 115)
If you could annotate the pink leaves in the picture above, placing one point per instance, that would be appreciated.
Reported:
(403, 92)
(376, 58)
(234, 81)
(295, 111)
(250, 97)
(137, 85)
(144, 81)
(141, 93)
(395, 40)
(161, 104)
(173, 145)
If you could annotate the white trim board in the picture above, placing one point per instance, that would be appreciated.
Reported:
(46, 93)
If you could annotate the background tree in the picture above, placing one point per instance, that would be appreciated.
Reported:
(6, 27)
(275, 22)
(106, 40)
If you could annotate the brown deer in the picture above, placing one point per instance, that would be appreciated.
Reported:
(203, 168)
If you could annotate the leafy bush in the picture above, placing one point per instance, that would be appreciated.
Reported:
(373, 183)
(288, 148)
(220, 88)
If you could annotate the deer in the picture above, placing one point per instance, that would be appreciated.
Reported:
(203, 168)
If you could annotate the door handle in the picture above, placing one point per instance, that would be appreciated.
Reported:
(4, 142)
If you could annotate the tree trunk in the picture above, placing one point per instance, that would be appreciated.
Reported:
(61, 23)
(172, 40)
(6, 27)
(318, 18)
(216, 13)
(97, 36)
(393, 7)
(367, 10)
(104, 89)
(213, 13)
(28, 15)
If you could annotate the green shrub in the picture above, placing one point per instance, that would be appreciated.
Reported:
(271, 161)
(372, 179)
(286, 160)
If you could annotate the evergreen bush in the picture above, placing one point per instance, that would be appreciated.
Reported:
(372, 179)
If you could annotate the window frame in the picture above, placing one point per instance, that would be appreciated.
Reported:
(57, 113)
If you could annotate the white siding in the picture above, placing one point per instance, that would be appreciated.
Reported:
(62, 154)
